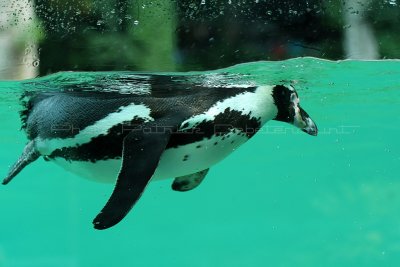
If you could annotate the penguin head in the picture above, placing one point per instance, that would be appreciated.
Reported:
(287, 102)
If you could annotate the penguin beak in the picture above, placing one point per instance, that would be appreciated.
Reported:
(303, 121)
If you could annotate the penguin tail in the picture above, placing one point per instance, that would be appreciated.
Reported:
(29, 155)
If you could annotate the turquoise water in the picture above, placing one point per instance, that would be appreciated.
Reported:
(283, 199)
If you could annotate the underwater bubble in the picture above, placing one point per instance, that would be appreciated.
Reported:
(136, 22)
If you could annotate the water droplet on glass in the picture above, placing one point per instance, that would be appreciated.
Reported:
(28, 50)
(35, 63)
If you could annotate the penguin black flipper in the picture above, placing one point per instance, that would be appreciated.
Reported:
(142, 149)
(29, 155)
(189, 182)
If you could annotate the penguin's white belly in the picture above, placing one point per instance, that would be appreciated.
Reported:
(174, 162)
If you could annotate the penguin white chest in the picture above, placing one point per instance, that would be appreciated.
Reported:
(174, 162)
(197, 156)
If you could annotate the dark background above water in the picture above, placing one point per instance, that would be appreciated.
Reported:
(204, 34)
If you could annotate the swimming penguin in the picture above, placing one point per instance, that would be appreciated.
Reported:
(167, 129)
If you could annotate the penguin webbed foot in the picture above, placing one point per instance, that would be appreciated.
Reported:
(189, 182)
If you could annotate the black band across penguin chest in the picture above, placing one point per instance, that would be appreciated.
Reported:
(229, 122)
